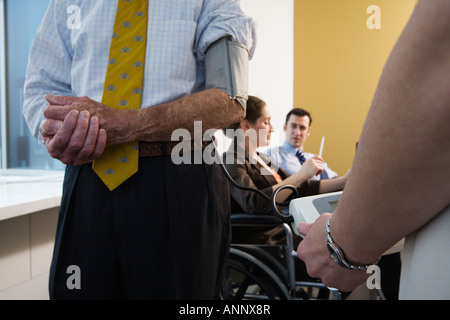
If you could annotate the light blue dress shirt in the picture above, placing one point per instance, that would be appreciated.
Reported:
(72, 61)
(284, 157)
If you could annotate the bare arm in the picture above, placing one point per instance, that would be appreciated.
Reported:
(409, 124)
(400, 177)
(331, 185)
(309, 169)
(213, 107)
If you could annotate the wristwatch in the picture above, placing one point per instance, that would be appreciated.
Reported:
(337, 254)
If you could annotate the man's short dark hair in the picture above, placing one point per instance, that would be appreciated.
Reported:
(299, 112)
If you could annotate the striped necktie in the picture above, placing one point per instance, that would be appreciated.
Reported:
(300, 157)
(123, 86)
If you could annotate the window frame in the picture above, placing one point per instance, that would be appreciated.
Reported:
(3, 113)
(39, 161)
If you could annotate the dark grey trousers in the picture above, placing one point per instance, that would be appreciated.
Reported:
(163, 234)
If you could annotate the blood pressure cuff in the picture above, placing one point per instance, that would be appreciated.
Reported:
(226, 65)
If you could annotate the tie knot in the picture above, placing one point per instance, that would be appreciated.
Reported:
(300, 157)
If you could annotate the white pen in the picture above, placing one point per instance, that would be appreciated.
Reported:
(321, 146)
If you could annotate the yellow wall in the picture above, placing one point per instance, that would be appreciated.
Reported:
(338, 61)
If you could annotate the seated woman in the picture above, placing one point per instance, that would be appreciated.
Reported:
(250, 168)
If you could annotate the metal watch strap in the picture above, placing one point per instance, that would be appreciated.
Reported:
(337, 254)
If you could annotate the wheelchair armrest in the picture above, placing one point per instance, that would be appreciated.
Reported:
(254, 219)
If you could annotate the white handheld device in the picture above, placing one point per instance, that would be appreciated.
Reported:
(308, 209)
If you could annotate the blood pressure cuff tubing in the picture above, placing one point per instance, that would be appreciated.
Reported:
(226, 65)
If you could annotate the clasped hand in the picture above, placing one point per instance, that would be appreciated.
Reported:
(75, 129)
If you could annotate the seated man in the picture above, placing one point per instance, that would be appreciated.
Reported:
(290, 155)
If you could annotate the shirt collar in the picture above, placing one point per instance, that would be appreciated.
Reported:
(290, 148)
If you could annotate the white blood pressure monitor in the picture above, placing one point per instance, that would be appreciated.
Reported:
(308, 209)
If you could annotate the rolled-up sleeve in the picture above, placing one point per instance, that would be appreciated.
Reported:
(222, 18)
(49, 65)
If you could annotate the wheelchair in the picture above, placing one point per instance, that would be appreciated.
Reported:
(269, 272)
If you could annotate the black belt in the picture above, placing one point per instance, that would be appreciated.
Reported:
(155, 149)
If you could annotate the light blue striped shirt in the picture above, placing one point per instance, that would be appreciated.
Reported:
(72, 61)
(284, 157)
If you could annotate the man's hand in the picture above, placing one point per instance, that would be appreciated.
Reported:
(114, 121)
(319, 264)
(76, 140)
(312, 166)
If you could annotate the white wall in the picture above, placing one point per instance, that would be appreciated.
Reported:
(271, 71)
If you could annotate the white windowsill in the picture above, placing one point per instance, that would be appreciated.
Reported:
(27, 191)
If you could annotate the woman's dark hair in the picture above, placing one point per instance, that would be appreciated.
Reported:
(254, 111)
(254, 108)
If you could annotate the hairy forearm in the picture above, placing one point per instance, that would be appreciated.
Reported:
(110, 126)
(212, 107)
(400, 177)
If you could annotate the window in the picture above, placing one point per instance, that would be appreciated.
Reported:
(20, 20)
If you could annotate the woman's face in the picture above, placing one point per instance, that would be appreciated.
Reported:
(263, 128)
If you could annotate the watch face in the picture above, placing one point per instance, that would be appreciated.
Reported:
(330, 249)
(336, 258)
(334, 254)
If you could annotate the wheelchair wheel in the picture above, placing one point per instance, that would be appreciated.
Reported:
(249, 278)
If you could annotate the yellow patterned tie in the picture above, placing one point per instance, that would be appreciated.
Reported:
(123, 86)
